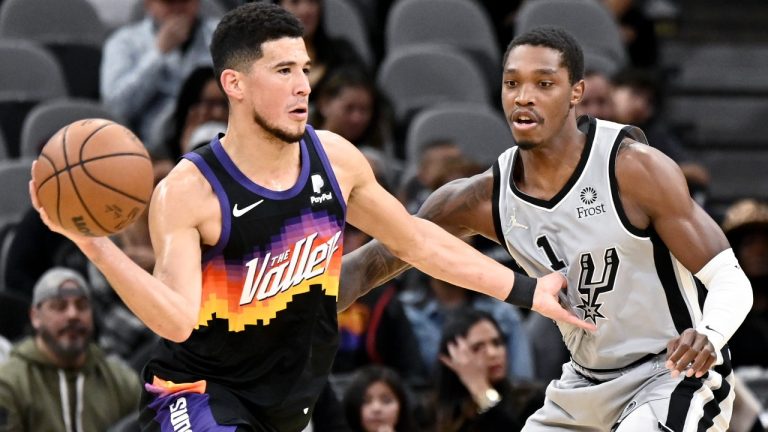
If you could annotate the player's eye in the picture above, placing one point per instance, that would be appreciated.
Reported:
(510, 83)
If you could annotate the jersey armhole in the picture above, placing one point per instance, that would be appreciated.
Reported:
(634, 133)
(218, 189)
(496, 210)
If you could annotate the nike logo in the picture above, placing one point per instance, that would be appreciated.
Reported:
(236, 212)
(710, 328)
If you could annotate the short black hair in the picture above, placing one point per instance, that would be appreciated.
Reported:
(238, 38)
(559, 40)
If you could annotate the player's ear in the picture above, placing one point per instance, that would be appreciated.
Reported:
(231, 82)
(577, 93)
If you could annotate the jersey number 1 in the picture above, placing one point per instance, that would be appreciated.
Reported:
(554, 262)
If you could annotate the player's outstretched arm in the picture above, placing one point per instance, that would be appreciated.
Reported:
(433, 250)
(664, 204)
(168, 304)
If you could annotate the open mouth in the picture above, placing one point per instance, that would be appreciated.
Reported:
(525, 120)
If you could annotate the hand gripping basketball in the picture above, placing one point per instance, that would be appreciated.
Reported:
(93, 177)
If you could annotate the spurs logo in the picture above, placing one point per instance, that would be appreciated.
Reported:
(589, 289)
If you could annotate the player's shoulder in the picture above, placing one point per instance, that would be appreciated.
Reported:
(639, 159)
(341, 153)
(184, 183)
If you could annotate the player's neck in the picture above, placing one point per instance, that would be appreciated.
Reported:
(548, 167)
(278, 163)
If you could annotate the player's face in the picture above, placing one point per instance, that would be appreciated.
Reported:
(536, 94)
(380, 409)
(278, 88)
(65, 325)
(485, 341)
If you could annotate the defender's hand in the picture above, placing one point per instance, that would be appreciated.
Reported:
(546, 301)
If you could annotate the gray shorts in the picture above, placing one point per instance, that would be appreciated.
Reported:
(582, 400)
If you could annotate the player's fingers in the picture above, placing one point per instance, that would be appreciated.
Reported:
(702, 363)
(33, 195)
(570, 318)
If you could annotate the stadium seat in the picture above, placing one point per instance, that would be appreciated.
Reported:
(70, 29)
(343, 20)
(459, 23)
(480, 131)
(587, 20)
(418, 76)
(48, 117)
(28, 74)
(14, 180)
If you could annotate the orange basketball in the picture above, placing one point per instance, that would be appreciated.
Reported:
(93, 177)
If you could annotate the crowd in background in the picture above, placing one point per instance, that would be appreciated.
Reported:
(411, 350)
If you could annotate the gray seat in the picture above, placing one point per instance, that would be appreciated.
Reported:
(28, 74)
(460, 23)
(60, 21)
(70, 29)
(3, 148)
(587, 20)
(480, 131)
(723, 68)
(45, 119)
(721, 120)
(418, 76)
(14, 180)
(736, 174)
(343, 20)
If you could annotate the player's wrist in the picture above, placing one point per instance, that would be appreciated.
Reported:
(522, 291)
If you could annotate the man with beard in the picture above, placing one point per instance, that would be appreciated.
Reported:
(247, 231)
(59, 380)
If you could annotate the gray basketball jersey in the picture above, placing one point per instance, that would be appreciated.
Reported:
(621, 278)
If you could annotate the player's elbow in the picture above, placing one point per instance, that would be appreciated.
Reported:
(177, 330)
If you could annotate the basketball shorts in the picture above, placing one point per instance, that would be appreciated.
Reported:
(180, 407)
(589, 401)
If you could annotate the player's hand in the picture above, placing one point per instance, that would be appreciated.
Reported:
(691, 352)
(173, 32)
(44, 216)
(546, 301)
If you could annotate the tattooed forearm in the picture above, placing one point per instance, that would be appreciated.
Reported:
(364, 269)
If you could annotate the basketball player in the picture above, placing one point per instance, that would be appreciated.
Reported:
(247, 233)
(587, 198)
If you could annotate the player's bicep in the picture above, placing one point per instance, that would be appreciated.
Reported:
(654, 183)
(175, 238)
(463, 206)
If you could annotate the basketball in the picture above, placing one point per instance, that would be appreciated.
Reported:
(93, 177)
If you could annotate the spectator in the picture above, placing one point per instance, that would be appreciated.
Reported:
(429, 311)
(746, 226)
(350, 105)
(473, 390)
(638, 31)
(374, 329)
(377, 401)
(598, 99)
(33, 250)
(200, 101)
(325, 52)
(144, 64)
(59, 380)
(637, 101)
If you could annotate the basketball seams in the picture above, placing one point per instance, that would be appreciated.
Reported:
(110, 187)
(72, 177)
(101, 181)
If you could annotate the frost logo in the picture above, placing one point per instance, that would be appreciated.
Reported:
(588, 196)
(317, 187)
